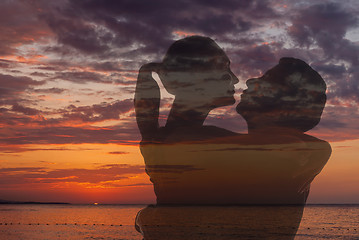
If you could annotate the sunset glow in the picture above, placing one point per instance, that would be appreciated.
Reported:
(68, 71)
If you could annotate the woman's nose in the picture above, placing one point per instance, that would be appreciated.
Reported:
(234, 78)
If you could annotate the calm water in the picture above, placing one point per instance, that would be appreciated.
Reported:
(117, 222)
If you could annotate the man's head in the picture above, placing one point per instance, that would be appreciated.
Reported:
(290, 95)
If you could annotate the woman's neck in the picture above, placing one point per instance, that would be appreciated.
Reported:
(185, 114)
(273, 129)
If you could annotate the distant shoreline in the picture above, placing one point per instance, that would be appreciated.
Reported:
(18, 202)
(144, 204)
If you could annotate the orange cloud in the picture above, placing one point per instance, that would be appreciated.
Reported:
(184, 33)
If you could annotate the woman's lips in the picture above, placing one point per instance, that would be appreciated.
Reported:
(231, 92)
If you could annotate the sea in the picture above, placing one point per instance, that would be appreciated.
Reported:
(72, 222)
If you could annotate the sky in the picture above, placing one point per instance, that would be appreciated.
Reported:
(68, 71)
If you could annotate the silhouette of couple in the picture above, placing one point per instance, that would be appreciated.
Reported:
(193, 164)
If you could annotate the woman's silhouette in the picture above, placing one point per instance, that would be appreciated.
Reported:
(196, 70)
(189, 163)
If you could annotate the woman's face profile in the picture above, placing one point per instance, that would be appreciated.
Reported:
(211, 85)
(221, 86)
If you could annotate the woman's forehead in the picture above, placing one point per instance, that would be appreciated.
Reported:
(222, 59)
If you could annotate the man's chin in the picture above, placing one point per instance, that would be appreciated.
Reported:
(239, 108)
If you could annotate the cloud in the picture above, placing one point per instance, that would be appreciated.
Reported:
(118, 153)
(24, 110)
(16, 84)
(5, 64)
(254, 60)
(27, 125)
(13, 88)
(330, 69)
(53, 90)
(19, 25)
(93, 41)
(19, 149)
(98, 112)
(104, 173)
(72, 114)
(70, 135)
(132, 29)
(81, 77)
(324, 24)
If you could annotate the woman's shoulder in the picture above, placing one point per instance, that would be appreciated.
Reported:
(194, 134)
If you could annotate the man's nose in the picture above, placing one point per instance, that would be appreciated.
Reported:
(251, 81)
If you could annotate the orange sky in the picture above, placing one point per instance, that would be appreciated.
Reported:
(67, 126)
(110, 173)
(81, 173)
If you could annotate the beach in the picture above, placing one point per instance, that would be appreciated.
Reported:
(42, 221)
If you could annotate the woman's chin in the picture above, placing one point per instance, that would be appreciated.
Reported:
(224, 101)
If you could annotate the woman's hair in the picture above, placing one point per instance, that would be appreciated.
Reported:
(147, 102)
(190, 54)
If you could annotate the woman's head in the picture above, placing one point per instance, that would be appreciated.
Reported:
(197, 70)
(291, 95)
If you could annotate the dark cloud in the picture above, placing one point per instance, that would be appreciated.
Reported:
(339, 121)
(79, 35)
(28, 125)
(53, 90)
(5, 63)
(39, 74)
(24, 110)
(82, 77)
(23, 169)
(19, 25)
(324, 24)
(16, 84)
(12, 87)
(131, 29)
(347, 88)
(18, 149)
(330, 69)
(107, 66)
(98, 112)
(255, 60)
(107, 41)
(118, 153)
(70, 135)
(262, 10)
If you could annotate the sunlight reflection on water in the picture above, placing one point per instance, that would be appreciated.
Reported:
(117, 222)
